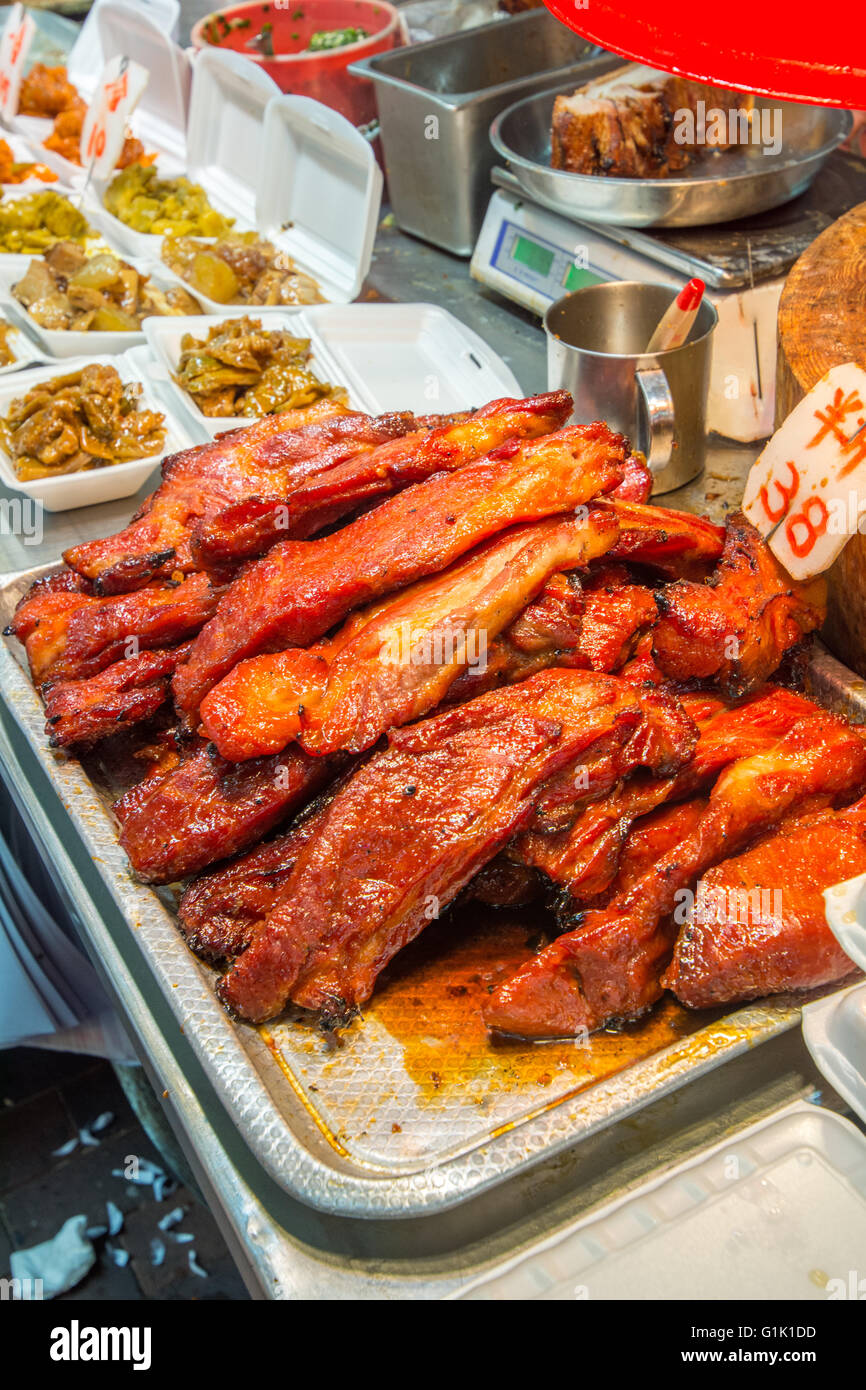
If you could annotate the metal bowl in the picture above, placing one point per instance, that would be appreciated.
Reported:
(717, 188)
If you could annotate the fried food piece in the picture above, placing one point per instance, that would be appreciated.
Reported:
(735, 629)
(65, 138)
(301, 589)
(14, 170)
(759, 924)
(45, 91)
(241, 368)
(408, 831)
(86, 419)
(85, 711)
(180, 821)
(611, 967)
(394, 662)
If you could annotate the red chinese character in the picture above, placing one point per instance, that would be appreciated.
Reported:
(115, 92)
(833, 418)
(856, 447)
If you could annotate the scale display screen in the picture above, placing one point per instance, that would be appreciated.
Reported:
(548, 269)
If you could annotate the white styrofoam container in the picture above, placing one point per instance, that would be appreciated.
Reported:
(164, 339)
(409, 357)
(777, 1211)
(226, 126)
(834, 1030)
(25, 350)
(388, 357)
(86, 489)
(89, 54)
(846, 915)
(60, 343)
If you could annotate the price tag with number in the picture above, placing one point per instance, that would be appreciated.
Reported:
(806, 493)
(14, 46)
(104, 131)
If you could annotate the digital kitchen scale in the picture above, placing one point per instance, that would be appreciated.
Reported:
(533, 254)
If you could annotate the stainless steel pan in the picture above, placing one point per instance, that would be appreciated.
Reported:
(719, 188)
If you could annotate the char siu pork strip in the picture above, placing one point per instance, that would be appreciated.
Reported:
(735, 629)
(394, 662)
(122, 695)
(181, 821)
(252, 527)
(410, 828)
(759, 924)
(585, 857)
(302, 588)
(273, 456)
(70, 635)
(675, 543)
(611, 967)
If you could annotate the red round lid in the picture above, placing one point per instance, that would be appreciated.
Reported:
(781, 48)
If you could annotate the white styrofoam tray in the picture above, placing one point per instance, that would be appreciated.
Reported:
(777, 1211)
(846, 915)
(85, 489)
(834, 1030)
(22, 345)
(164, 337)
(59, 343)
(388, 357)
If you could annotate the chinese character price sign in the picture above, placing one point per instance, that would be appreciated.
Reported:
(104, 131)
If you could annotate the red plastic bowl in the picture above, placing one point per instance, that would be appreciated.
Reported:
(322, 75)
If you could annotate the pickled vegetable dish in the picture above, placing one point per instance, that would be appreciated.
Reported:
(140, 199)
(242, 369)
(240, 268)
(32, 224)
(67, 290)
(86, 419)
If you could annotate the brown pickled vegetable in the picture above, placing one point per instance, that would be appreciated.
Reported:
(86, 419)
(239, 268)
(242, 369)
(66, 290)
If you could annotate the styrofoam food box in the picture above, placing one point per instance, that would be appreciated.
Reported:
(776, 1211)
(164, 337)
(143, 32)
(226, 129)
(85, 489)
(387, 356)
(846, 915)
(60, 343)
(22, 345)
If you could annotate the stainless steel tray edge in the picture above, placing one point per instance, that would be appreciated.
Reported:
(340, 1187)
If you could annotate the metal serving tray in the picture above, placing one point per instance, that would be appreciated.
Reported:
(416, 1110)
(720, 188)
(436, 101)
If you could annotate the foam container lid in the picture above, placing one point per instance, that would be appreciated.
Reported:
(775, 1211)
(98, 37)
(846, 916)
(834, 1030)
(319, 193)
(226, 130)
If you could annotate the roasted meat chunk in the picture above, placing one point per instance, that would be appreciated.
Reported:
(611, 967)
(301, 589)
(758, 925)
(85, 711)
(736, 628)
(394, 662)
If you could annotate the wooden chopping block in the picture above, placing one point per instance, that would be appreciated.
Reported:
(822, 323)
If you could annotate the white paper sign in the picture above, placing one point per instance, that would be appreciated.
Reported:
(806, 493)
(14, 46)
(117, 93)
